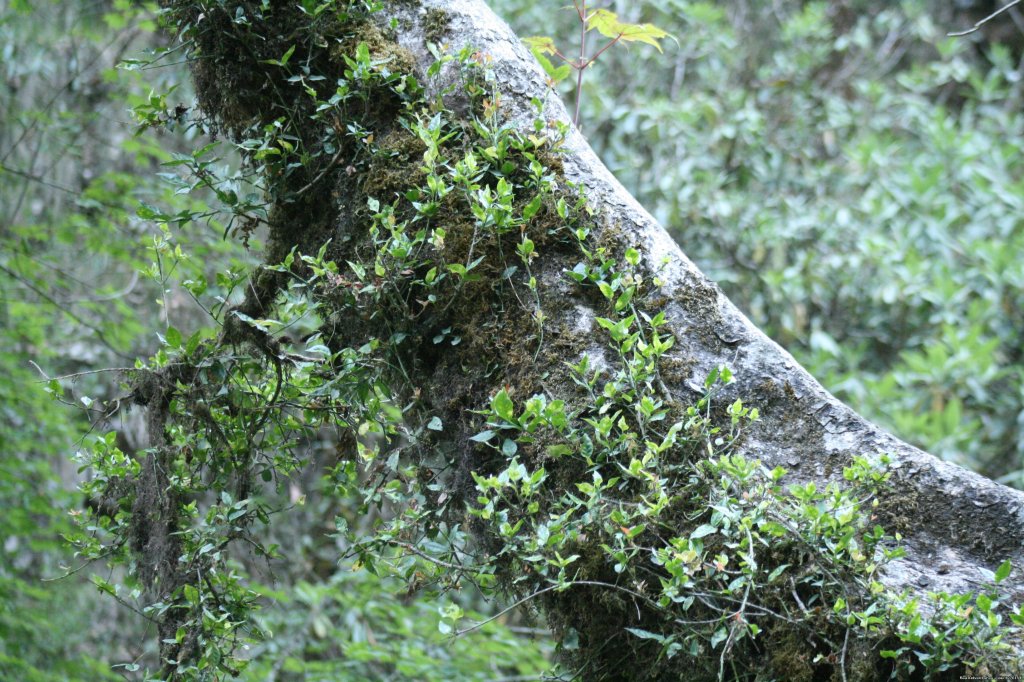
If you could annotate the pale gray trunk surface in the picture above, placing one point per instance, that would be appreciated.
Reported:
(957, 526)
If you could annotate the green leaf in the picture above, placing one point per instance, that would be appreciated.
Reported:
(1003, 572)
(607, 24)
(542, 44)
(173, 337)
(624, 300)
(435, 424)
(525, 248)
(644, 634)
(283, 61)
(502, 406)
(531, 208)
(554, 451)
(719, 636)
(703, 531)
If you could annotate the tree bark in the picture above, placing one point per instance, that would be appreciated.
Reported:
(957, 526)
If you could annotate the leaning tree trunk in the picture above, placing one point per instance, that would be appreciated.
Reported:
(957, 526)
(650, 550)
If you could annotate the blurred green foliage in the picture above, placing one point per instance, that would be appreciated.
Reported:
(66, 256)
(849, 175)
(852, 178)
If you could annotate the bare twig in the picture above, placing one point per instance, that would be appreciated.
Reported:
(67, 311)
(47, 377)
(36, 178)
(330, 166)
(593, 583)
(984, 21)
(842, 659)
(423, 555)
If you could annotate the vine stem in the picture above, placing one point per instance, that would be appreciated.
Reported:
(583, 61)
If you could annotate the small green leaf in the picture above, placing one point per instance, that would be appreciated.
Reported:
(435, 424)
(173, 337)
(531, 208)
(283, 61)
(719, 636)
(644, 634)
(525, 248)
(502, 406)
(607, 24)
(542, 44)
(703, 531)
(624, 300)
(554, 451)
(1003, 572)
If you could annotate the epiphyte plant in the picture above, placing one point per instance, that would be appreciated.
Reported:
(608, 25)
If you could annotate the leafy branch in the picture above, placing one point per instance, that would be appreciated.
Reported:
(608, 25)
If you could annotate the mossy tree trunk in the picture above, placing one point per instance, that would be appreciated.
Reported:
(471, 361)
(957, 526)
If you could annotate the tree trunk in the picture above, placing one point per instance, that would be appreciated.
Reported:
(956, 527)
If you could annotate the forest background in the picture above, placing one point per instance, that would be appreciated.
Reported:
(849, 174)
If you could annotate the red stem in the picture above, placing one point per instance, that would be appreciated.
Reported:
(599, 52)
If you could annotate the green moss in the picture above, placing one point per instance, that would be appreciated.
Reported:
(790, 656)
(436, 25)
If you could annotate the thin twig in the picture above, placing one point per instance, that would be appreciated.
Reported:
(842, 658)
(324, 172)
(420, 553)
(54, 302)
(985, 20)
(39, 179)
(592, 583)
(583, 61)
(601, 51)
(47, 377)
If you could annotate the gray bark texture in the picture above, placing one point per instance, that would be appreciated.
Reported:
(957, 526)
